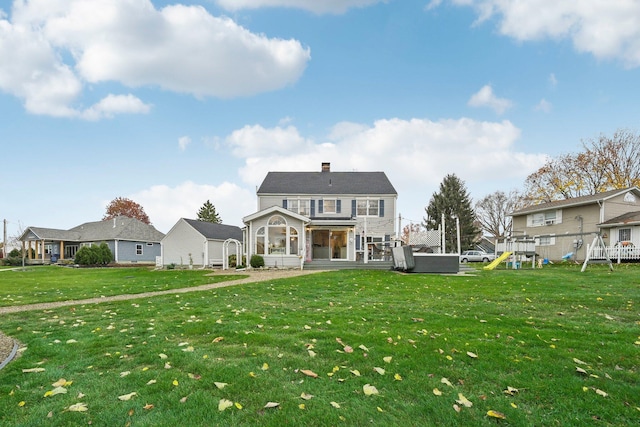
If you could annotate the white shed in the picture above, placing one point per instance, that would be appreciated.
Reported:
(197, 243)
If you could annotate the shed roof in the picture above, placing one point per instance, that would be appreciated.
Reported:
(575, 201)
(215, 231)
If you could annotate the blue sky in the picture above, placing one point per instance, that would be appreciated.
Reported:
(174, 103)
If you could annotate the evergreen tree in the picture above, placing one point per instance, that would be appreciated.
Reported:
(453, 201)
(208, 213)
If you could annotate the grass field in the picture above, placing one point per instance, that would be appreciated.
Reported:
(537, 347)
(51, 283)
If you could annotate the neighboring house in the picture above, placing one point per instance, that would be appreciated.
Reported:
(199, 243)
(130, 240)
(569, 226)
(307, 216)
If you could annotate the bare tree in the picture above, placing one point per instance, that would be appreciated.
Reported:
(492, 212)
(408, 229)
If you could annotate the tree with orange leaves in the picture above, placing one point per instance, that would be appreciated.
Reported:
(125, 207)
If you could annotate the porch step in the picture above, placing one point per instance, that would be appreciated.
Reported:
(347, 265)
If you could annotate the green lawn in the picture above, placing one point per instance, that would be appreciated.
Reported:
(52, 283)
(541, 347)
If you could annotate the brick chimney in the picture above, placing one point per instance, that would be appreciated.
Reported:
(326, 167)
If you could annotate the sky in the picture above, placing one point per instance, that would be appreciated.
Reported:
(171, 104)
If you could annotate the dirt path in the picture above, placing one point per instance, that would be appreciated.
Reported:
(7, 344)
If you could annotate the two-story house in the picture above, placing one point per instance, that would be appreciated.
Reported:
(325, 215)
(565, 227)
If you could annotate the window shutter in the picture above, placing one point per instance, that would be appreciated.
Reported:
(320, 206)
(354, 212)
(313, 207)
(357, 242)
(381, 208)
(284, 203)
(338, 206)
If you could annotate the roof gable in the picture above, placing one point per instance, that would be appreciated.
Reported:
(118, 228)
(334, 183)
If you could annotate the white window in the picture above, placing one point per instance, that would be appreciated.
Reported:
(329, 206)
(544, 218)
(138, 248)
(546, 240)
(299, 206)
(624, 235)
(276, 238)
(367, 207)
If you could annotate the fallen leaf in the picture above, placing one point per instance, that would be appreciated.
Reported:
(472, 355)
(124, 374)
(184, 399)
(265, 366)
(446, 382)
(511, 391)
(456, 408)
(579, 362)
(78, 407)
(272, 405)
(355, 372)
(237, 405)
(220, 385)
(369, 390)
(163, 356)
(22, 403)
(29, 370)
(496, 414)
(127, 396)
(348, 349)
(194, 376)
(224, 404)
(60, 383)
(397, 377)
(148, 406)
(151, 382)
(379, 409)
(464, 401)
(387, 359)
(312, 353)
(57, 390)
(379, 370)
(302, 406)
(437, 392)
(217, 339)
(188, 349)
(335, 405)
(309, 373)
(581, 371)
(601, 393)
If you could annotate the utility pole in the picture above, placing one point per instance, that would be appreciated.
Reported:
(4, 241)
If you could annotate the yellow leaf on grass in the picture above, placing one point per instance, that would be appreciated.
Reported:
(348, 349)
(57, 390)
(151, 382)
(301, 406)
(496, 414)
(78, 407)
(446, 382)
(437, 392)
(22, 403)
(306, 396)
(387, 359)
(579, 362)
(363, 348)
(368, 390)
(335, 405)
(472, 355)
(60, 383)
(127, 396)
(224, 404)
(265, 366)
(217, 339)
(220, 385)
(397, 377)
(237, 405)
(148, 406)
(464, 401)
(163, 356)
(511, 391)
(457, 408)
(355, 372)
(175, 383)
(30, 370)
(513, 405)
(379, 409)
(312, 353)
(379, 370)
(272, 405)
(601, 393)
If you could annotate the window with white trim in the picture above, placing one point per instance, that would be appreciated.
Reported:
(299, 206)
(624, 235)
(277, 238)
(329, 206)
(138, 248)
(546, 240)
(544, 218)
(367, 207)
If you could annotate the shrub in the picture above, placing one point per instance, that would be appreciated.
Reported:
(233, 262)
(256, 261)
(171, 266)
(12, 261)
(15, 253)
(94, 255)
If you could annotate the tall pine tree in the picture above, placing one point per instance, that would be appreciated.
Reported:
(453, 201)
(208, 213)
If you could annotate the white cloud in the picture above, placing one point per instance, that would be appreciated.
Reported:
(553, 80)
(116, 104)
(183, 142)
(544, 106)
(165, 205)
(316, 6)
(486, 98)
(416, 155)
(51, 48)
(605, 29)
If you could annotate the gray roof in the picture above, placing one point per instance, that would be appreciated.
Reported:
(215, 231)
(119, 228)
(628, 218)
(575, 201)
(332, 183)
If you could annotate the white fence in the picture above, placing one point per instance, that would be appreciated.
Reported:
(616, 253)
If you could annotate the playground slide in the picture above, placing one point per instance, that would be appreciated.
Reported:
(497, 261)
